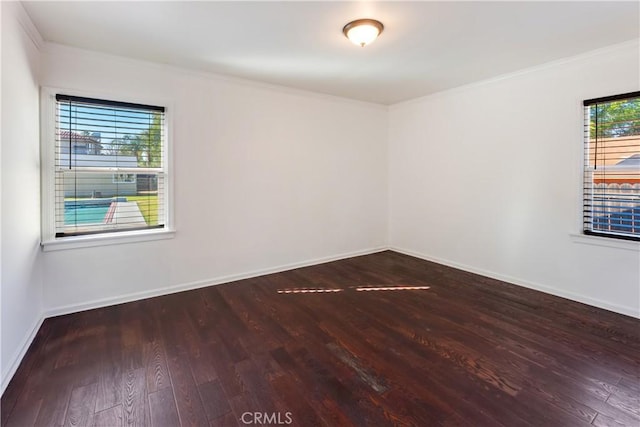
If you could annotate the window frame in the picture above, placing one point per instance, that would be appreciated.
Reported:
(582, 235)
(48, 240)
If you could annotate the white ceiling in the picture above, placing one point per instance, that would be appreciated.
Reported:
(426, 47)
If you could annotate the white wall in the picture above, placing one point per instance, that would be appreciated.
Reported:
(21, 273)
(264, 178)
(487, 178)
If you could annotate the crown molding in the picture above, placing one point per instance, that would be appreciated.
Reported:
(23, 18)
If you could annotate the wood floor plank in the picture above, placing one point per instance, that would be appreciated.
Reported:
(155, 363)
(189, 404)
(134, 398)
(131, 338)
(225, 370)
(241, 404)
(602, 420)
(162, 407)
(214, 400)
(309, 342)
(627, 400)
(293, 403)
(24, 413)
(109, 391)
(82, 406)
(631, 382)
(53, 409)
(111, 417)
(227, 420)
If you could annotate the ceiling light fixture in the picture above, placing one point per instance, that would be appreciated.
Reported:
(363, 31)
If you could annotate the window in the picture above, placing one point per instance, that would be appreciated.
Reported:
(611, 202)
(107, 170)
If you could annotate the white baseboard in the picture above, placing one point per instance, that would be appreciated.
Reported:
(74, 308)
(19, 354)
(616, 308)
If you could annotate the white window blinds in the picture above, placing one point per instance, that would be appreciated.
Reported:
(611, 202)
(109, 166)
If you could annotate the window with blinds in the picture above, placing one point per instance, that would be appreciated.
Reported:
(109, 166)
(611, 202)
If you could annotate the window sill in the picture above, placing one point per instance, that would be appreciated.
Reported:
(606, 242)
(77, 242)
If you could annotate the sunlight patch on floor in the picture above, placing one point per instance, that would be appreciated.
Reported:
(358, 289)
(393, 288)
(308, 291)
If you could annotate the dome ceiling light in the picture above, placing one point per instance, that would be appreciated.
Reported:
(363, 31)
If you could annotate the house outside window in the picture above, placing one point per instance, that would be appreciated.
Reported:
(124, 178)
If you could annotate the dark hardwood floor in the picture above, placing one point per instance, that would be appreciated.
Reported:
(468, 351)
